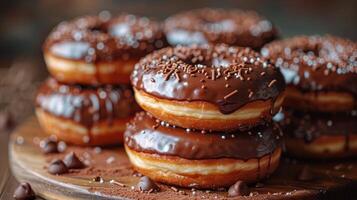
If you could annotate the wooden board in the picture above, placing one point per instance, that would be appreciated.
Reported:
(28, 164)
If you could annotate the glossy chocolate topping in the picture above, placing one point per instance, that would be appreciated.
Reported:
(226, 76)
(147, 134)
(309, 125)
(316, 63)
(84, 104)
(96, 38)
(233, 27)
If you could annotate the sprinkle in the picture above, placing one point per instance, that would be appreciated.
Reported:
(168, 75)
(117, 183)
(174, 189)
(110, 160)
(213, 74)
(271, 83)
(230, 94)
(177, 77)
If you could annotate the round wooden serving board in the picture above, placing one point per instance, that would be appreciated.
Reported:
(334, 180)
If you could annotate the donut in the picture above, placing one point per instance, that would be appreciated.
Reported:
(208, 87)
(320, 71)
(175, 156)
(96, 50)
(320, 135)
(85, 115)
(214, 26)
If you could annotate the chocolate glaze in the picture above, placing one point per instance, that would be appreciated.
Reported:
(94, 38)
(316, 63)
(309, 126)
(85, 104)
(226, 76)
(233, 27)
(147, 134)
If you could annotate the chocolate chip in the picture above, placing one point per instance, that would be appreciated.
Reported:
(6, 121)
(57, 167)
(48, 146)
(98, 179)
(146, 184)
(305, 174)
(24, 192)
(238, 189)
(259, 185)
(72, 161)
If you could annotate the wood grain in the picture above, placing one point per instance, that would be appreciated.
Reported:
(27, 164)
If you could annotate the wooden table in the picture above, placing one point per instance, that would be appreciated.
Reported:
(30, 169)
(7, 181)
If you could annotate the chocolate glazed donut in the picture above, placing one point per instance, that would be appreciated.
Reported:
(321, 72)
(95, 50)
(320, 135)
(208, 87)
(177, 156)
(85, 115)
(214, 26)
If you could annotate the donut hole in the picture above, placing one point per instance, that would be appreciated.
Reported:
(315, 50)
(98, 29)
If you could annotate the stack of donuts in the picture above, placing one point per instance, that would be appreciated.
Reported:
(208, 108)
(88, 99)
(320, 119)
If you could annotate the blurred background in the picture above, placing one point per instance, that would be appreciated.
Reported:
(25, 24)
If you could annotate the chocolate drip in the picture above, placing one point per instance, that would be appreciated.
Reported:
(309, 126)
(146, 134)
(94, 39)
(268, 167)
(228, 77)
(258, 170)
(347, 140)
(233, 27)
(316, 63)
(84, 104)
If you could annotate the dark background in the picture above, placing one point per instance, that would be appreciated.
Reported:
(25, 24)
